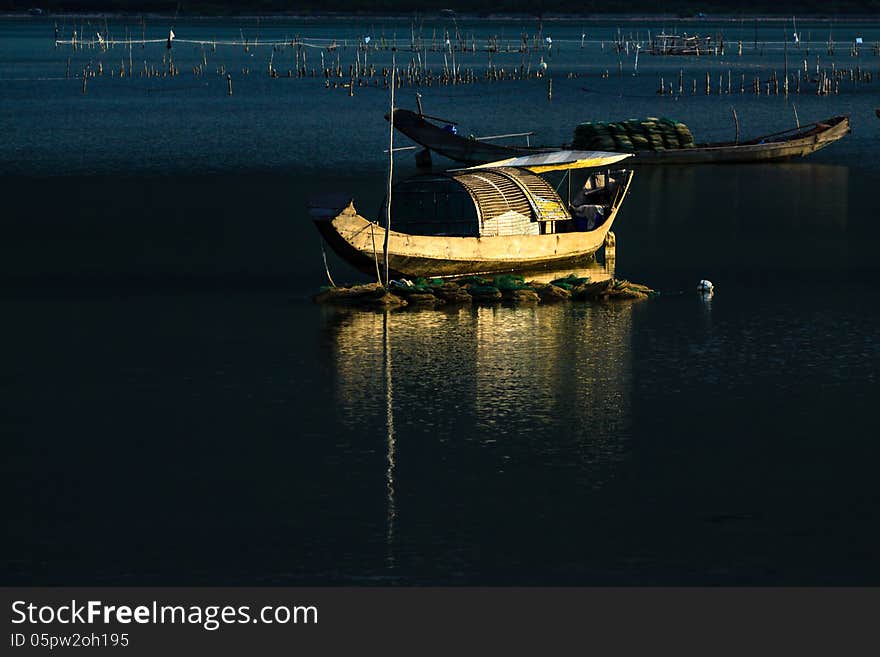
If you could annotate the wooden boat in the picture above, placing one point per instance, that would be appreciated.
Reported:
(446, 142)
(677, 44)
(494, 218)
(797, 142)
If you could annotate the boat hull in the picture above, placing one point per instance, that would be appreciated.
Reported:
(360, 242)
(470, 151)
(748, 152)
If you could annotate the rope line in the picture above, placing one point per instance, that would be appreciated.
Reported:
(326, 267)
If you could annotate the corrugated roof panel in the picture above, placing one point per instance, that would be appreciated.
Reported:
(547, 202)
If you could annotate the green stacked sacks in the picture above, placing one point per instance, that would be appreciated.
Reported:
(510, 282)
(569, 282)
(619, 136)
(584, 135)
(606, 144)
(670, 136)
(602, 129)
(515, 290)
(650, 134)
(603, 139)
(585, 129)
(685, 137)
(479, 288)
(484, 292)
(594, 136)
(623, 143)
(651, 130)
(655, 139)
(640, 142)
(649, 125)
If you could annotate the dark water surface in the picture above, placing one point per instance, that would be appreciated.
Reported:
(176, 411)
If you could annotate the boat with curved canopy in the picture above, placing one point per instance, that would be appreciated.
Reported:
(493, 218)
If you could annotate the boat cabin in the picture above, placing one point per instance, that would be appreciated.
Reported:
(499, 201)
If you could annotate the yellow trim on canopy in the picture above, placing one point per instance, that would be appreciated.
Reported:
(556, 161)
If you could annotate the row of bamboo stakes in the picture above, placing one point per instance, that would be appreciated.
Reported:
(823, 83)
(416, 74)
(462, 43)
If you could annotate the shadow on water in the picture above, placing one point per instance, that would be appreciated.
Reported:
(747, 225)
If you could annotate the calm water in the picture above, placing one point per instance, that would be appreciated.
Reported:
(175, 410)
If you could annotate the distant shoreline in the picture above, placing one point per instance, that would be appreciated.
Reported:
(603, 18)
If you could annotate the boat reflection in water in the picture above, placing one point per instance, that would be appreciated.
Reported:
(469, 401)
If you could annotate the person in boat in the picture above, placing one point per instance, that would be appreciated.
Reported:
(587, 216)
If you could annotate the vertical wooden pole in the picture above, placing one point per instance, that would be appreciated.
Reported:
(786, 67)
(390, 169)
(736, 123)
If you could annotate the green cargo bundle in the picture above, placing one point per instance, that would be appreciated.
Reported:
(650, 134)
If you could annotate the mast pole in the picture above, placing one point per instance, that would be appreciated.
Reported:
(390, 169)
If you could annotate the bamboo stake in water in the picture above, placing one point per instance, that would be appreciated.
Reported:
(736, 123)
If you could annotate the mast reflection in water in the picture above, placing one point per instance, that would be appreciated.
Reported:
(481, 406)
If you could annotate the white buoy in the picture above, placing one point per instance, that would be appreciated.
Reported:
(705, 287)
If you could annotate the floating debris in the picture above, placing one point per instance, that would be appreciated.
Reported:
(507, 289)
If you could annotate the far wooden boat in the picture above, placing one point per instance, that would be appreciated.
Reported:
(495, 218)
(678, 44)
(797, 142)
